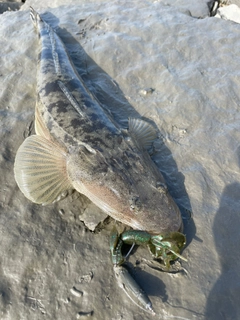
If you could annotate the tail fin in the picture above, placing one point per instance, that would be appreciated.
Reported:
(35, 17)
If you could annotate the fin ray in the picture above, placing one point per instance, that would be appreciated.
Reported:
(40, 127)
(40, 170)
(143, 132)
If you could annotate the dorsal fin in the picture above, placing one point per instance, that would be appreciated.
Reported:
(40, 170)
(142, 132)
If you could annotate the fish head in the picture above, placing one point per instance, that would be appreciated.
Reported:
(128, 188)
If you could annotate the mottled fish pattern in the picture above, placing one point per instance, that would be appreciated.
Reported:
(79, 146)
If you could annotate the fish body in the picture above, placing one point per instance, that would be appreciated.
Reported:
(79, 146)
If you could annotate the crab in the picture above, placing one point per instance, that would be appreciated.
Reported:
(163, 247)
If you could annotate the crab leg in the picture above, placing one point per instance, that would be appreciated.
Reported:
(124, 279)
(133, 289)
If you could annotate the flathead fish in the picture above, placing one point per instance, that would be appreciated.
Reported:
(78, 145)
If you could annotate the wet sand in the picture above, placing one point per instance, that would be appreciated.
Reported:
(52, 266)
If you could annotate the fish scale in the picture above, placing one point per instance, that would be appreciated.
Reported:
(56, 71)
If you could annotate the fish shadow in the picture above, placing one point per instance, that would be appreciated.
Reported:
(112, 99)
(223, 300)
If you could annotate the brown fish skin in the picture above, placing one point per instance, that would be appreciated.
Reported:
(109, 165)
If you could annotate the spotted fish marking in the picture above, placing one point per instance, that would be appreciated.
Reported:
(78, 146)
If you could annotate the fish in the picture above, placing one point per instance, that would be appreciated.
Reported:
(78, 145)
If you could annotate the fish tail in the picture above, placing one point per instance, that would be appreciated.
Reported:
(35, 17)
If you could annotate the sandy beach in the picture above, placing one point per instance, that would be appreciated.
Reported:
(169, 62)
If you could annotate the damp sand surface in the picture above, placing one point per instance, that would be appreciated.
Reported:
(141, 59)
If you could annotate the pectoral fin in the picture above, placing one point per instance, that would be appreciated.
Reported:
(40, 170)
(142, 132)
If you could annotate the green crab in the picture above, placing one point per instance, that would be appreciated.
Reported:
(164, 247)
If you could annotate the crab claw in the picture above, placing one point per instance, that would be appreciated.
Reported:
(133, 289)
(167, 247)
